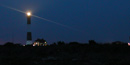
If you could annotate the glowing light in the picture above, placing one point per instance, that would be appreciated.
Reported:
(28, 13)
(128, 44)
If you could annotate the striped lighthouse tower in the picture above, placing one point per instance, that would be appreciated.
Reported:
(29, 34)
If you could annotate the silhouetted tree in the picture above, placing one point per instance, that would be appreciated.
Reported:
(54, 44)
(61, 43)
(9, 44)
(18, 44)
(73, 43)
(40, 40)
(92, 42)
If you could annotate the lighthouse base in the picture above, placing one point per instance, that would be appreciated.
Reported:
(29, 42)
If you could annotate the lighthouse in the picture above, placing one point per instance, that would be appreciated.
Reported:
(29, 34)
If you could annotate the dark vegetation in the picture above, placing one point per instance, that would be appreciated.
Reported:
(60, 53)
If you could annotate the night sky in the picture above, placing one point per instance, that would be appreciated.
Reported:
(99, 20)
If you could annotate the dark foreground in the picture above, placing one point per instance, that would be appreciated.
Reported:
(65, 55)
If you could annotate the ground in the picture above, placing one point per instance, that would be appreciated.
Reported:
(80, 54)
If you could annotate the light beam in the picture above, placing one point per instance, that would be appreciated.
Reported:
(29, 14)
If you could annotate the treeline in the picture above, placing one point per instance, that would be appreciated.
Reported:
(90, 42)
(59, 43)
(61, 53)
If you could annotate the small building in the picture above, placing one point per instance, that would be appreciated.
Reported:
(40, 42)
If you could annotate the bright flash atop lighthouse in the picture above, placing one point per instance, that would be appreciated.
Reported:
(28, 13)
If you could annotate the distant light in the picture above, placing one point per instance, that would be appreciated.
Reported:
(28, 13)
(128, 44)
